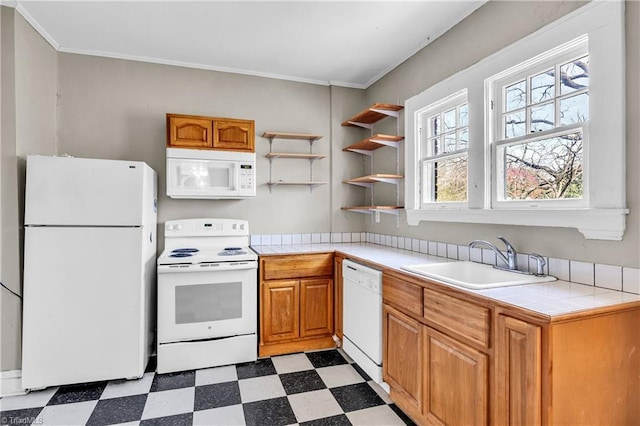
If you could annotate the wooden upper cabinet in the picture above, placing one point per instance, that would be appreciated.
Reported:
(191, 131)
(237, 135)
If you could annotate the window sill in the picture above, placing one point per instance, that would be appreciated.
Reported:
(594, 224)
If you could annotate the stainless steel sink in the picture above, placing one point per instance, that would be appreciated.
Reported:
(475, 275)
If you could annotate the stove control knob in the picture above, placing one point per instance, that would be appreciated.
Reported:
(234, 226)
(178, 227)
(242, 226)
(170, 227)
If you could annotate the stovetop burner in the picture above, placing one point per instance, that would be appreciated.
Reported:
(185, 250)
(232, 248)
(232, 252)
(180, 254)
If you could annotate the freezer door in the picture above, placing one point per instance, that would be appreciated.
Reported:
(85, 305)
(85, 192)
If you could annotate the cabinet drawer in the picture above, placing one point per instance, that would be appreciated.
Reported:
(298, 266)
(404, 295)
(467, 319)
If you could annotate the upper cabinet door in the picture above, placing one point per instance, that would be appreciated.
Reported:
(190, 132)
(238, 135)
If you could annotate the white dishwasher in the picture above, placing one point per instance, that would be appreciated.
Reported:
(362, 317)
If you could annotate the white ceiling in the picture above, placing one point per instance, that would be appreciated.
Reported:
(345, 43)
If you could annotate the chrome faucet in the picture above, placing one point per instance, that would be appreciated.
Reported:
(510, 260)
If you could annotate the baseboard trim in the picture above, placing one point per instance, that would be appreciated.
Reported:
(11, 383)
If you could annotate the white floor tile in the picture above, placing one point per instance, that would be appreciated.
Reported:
(224, 416)
(66, 414)
(291, 363)
(259, 388)
(168, 403)
(339, 375)
(209, 376)
(30, 400)
(128, 387)
(314, 405)
(380, 415)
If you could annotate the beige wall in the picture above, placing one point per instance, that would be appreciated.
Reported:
(492, 27)
(28, 116)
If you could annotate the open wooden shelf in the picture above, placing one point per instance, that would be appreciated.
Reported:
(373, 114)
(288, 135)
(365, 146)
(295, 155)
(367, 181)
(393, 210)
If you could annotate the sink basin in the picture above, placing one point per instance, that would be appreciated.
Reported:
(474, 275)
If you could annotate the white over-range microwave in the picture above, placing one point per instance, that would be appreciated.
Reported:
(211, 174)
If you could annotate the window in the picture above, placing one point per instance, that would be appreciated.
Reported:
(533, 135)
(444, 138)
(540, 115)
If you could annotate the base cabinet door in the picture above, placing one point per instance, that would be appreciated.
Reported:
(280, 315)
(316, 307)
(518, 372)
(402, 360)
(455, 381)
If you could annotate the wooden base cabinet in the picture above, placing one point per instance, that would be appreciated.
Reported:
(337, 294)
(296, 303)
(453, 358)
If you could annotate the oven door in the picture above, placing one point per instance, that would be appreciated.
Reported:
(195, 304)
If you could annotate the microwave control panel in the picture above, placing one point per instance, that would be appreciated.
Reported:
(246, 176)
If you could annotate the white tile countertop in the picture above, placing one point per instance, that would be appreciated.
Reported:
(552, 298)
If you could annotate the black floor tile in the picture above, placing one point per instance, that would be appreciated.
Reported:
(151, 365)
(217, 395)
(25, 416)
(360, 371)
(402, 415)
(118, 410)
(185, 419)
(261, 367)
(77, 393)
(326, 358)
(301, 381)
(182, 379)
(356, 397)
(340, 420)
(272, 412)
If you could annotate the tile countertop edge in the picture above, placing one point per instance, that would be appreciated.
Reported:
(545, 300)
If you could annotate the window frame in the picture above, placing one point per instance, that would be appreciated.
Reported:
(605, 215)
(439, 107)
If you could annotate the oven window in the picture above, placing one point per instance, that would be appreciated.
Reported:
(208, 302)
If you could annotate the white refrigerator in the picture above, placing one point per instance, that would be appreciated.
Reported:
(89, 270)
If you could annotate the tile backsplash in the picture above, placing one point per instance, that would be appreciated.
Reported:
(605, 276)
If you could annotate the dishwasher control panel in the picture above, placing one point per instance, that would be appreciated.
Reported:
(363, 276)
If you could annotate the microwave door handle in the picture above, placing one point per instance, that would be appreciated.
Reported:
(233, 177)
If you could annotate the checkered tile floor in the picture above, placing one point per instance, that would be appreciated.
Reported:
(313, 388)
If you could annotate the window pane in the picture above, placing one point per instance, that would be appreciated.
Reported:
(542, 117)
(435, 146)
(450, 178)
(543, 86)
(515, 96)
(514, 125)
(544, 169)
(574, 75)
(463, 139)
(574, 109)
(463, 113)
(449, 120)
(434, 125)
(450, 142)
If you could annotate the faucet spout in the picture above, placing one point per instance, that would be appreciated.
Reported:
(510, 260)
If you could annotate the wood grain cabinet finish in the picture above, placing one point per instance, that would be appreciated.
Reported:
(518, 372)
(337, 298)
(198, 132)
(235, 135)
(455, 381)
(296, 303)
(402, 357)
(484, 362)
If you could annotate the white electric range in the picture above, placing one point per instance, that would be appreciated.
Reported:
(207, 295)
